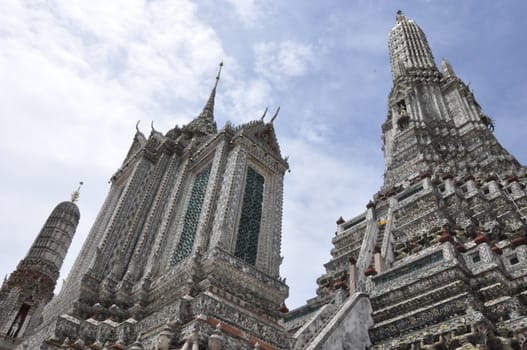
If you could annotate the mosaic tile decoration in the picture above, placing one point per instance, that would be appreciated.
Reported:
(190, 224)
(249, 227)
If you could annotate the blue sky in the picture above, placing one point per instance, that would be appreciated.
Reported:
(75, 76)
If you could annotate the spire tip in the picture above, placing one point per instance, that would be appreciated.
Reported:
(400, 16)
(218, 75)
(75, 195)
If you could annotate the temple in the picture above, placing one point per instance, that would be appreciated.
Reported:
(185, 251)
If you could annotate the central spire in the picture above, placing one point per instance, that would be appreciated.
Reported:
(208, 110)
(205, 122)
(409, 50)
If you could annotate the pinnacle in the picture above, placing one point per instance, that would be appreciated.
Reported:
(205, 122)
(399, 17)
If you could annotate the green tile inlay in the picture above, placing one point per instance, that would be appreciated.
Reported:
(251, 216)
(190, 223)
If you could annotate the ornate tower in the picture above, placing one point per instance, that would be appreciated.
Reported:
(441, 248)
(30, 287)
(185, 252)
(435, 113)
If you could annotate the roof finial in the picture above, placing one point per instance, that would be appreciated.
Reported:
(265, 112)
(152, 126)
(218, 75)
(205, 123)
(448, 71)
(137, 125)
(275, 114)
(75, 195)
(400, 16)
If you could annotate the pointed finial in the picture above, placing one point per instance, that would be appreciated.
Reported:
(275, 114)
(400, 16)
(448, 71)
(75, 195)
(152, 126)
(264, 113)
(218, 75)
(137, 126)
(205, 123)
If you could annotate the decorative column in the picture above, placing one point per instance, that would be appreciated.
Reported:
(352, 275)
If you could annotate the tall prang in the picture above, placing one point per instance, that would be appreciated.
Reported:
(436, 114)
(30, 287)
(185, 251)
(439, 258)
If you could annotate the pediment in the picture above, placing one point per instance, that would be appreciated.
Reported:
(398, 93)
(262, 134)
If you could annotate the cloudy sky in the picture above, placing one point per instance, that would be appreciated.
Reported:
(75, 77)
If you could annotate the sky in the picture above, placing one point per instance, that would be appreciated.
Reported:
(76, 76)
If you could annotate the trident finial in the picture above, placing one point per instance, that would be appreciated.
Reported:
(75, 195)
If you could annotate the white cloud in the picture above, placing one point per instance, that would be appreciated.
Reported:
(321, 187)
(315, 131)
(80, 62)
(280, 60)
(246, 101)
(250, 12)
